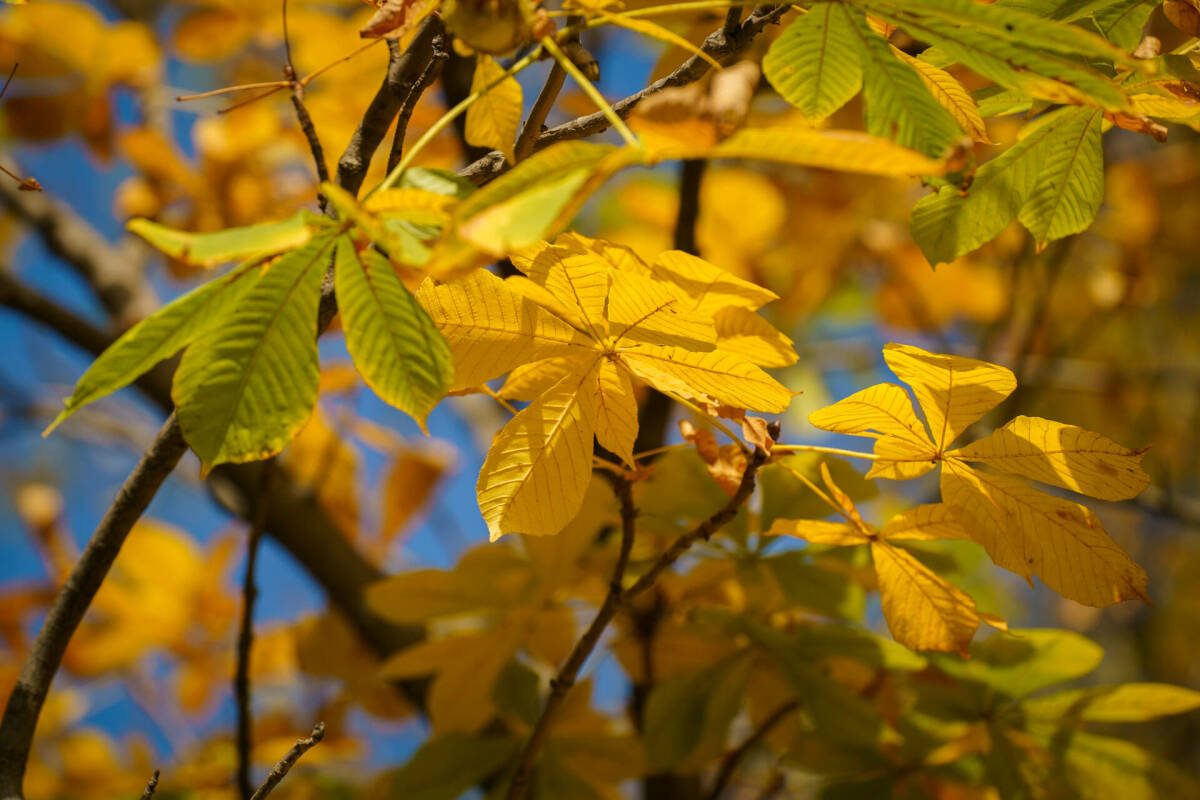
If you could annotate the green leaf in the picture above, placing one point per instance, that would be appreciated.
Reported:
(1100, 768)
(1020, 664)
(395, 345)
(516, 692)
(840, 641)
(814, 585)
(951, 223)
(1022, 51)
(1130, 702)
(247, 387)
(447, 766)
(1071, 184)
(161, 335)
(438, 181)
(898, 104)
(692, 711)
(232, 244)
(813, 65)
(555, 781)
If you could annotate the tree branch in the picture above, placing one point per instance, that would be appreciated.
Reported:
(734, 758)
(403, 73)
(617, 597)
(37, 673)
(151, 785)
(118, 281)
(245, 641)
(432, 70)
(280, 770)
(720, 45)
(565, 679)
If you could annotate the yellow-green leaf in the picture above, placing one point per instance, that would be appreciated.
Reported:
(395, 345)
(232, 244)
(245, 388)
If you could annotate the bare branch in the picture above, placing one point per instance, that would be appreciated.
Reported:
(280, 770)
(719, 45)
(734, 758)
(404, 72)
(117, 280)
(245, 641)
(151, 785)
(25, 702)
(432, 70)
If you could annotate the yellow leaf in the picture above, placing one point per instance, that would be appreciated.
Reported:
(748, 335)
(321, 460)
(923, 610)
(950, 94)
(465, 668)
(849, 151)
(903, 449)
(1030, 533)
(818, 531)
(648, 312)
(493, 119)
(528, 381)
(953, 391)
(575, 280)
(704, 287)
(1062, 455)
(929, 521)
(408, 488)
(616, 410)
(491, 329)
(538, 468)
(720, 376)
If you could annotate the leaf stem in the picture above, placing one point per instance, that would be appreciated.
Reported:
(495, 396)
(591, 91)
(816, 448)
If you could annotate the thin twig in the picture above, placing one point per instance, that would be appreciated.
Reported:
(708, 527)
(37, 673)
(151, 785)
(433, 69)
(565, 679)
(280, 770)
(719, 45)
(733, 759)
(617, 598)
(245, 641)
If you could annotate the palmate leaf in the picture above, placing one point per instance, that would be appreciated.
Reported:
(1052, 178)
(159, 336)
(584, 319)
(1023, 530)
(395, 345)
(923, 610)
(950, 94)
(247, 386)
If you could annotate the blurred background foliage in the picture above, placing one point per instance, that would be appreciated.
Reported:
(1101, 330)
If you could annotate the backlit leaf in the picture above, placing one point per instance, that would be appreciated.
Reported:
(493, 119)
(395, 345)
(245, 388)
(814, 65)
(231, 244)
